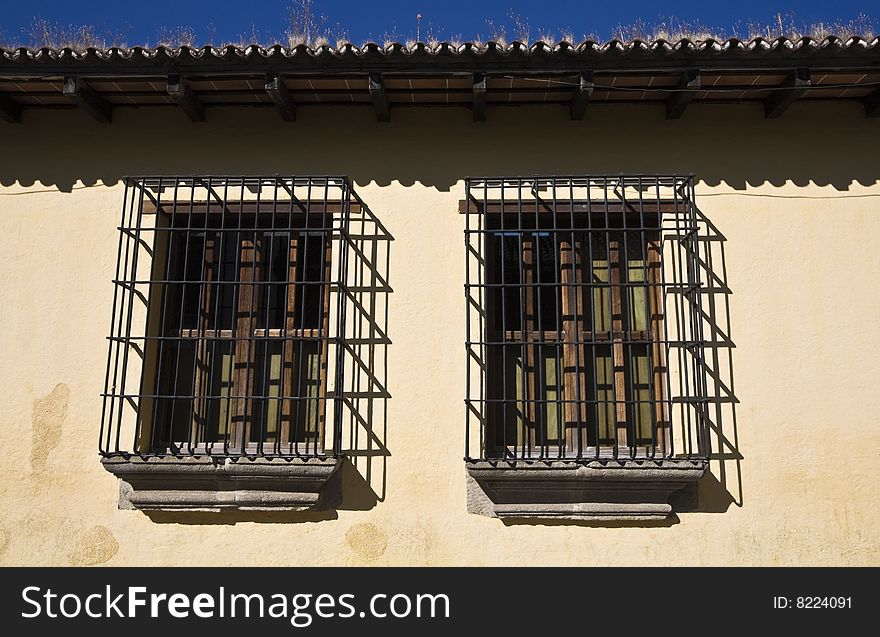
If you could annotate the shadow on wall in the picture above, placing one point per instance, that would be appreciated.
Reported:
(436, 147)
(365, 395)
(65, 151)
(722, 485)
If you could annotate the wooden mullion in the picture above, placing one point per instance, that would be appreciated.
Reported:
(616, 263)
(574, 388)
(202, 373)
(325, 341)
(531, 360)
(658, 348)
(245, 323)
(288, 359)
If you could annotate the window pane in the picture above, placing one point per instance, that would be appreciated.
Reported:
(275, 268)
(268, 389)
(191, 254)
(226, 267)
(508, 300)
(547, 276)
(642, 409)
(218, 425)
(309, 408)
(603, 409)
(310, 277)
(550, 391)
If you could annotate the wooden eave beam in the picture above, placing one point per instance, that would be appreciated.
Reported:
(582, 93)
(779, 100)
(10, 110)
(281, 97)
(85, 97)
(183, 95)
(872, 104)
(379, 97)
(479, 97)
(680, 98)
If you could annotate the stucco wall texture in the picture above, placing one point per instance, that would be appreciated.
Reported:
(795, 203)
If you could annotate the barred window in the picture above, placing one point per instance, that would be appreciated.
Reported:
(583, 319)
(221, 337)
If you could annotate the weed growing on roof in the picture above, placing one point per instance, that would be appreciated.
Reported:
(307, 25)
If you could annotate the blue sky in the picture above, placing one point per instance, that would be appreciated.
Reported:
(224, 20)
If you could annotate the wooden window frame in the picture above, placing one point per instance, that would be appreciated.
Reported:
(571, 376)
(244, 338)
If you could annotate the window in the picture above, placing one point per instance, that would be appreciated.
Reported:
(221, 341)
(584, 339)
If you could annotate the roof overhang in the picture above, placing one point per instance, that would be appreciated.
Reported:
(776, 73)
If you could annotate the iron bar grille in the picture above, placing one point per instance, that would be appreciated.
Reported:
(584, 332)
(228, 311)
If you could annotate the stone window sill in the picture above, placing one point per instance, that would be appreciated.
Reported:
(205, 483)
(592, 491)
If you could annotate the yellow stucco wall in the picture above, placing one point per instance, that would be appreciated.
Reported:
(796, 200)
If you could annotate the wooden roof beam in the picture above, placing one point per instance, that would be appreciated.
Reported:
(479, 97)
(794, 87)
(181, 92)
(379, 97)
(680, 98)
(582, 93)
(10, 110)
(872, 104)
(281, 97)
(84, 96)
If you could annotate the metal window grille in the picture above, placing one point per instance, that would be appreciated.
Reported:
(584, 326)
(228, 312)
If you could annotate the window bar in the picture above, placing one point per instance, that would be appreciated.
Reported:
(644, 292)
(701, 389)
(196, 411)
(266, 236)
(129, 289)
(612, 250)
(526, 369)
(518, 406)
(594, 418)
(115, 341)
(534, 340)
(558, 361)
(264, 403)
(342, 297)
(656, 316)
(572, 297)
(120, 318)
(306, 238)
(207, 295)
(485, 323)
(216, 363)
(467, 325)
(182, 276)
(326, 244)
(666, 242)
(164, 276)
(626, 335)
(286, 430)
(682, 319)
(689, 370)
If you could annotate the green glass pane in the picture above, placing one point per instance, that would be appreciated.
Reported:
(551, 393)
(637, 296)
(605, 397)
(640, 366)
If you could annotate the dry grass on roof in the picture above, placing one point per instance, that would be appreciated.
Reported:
(307, 25)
